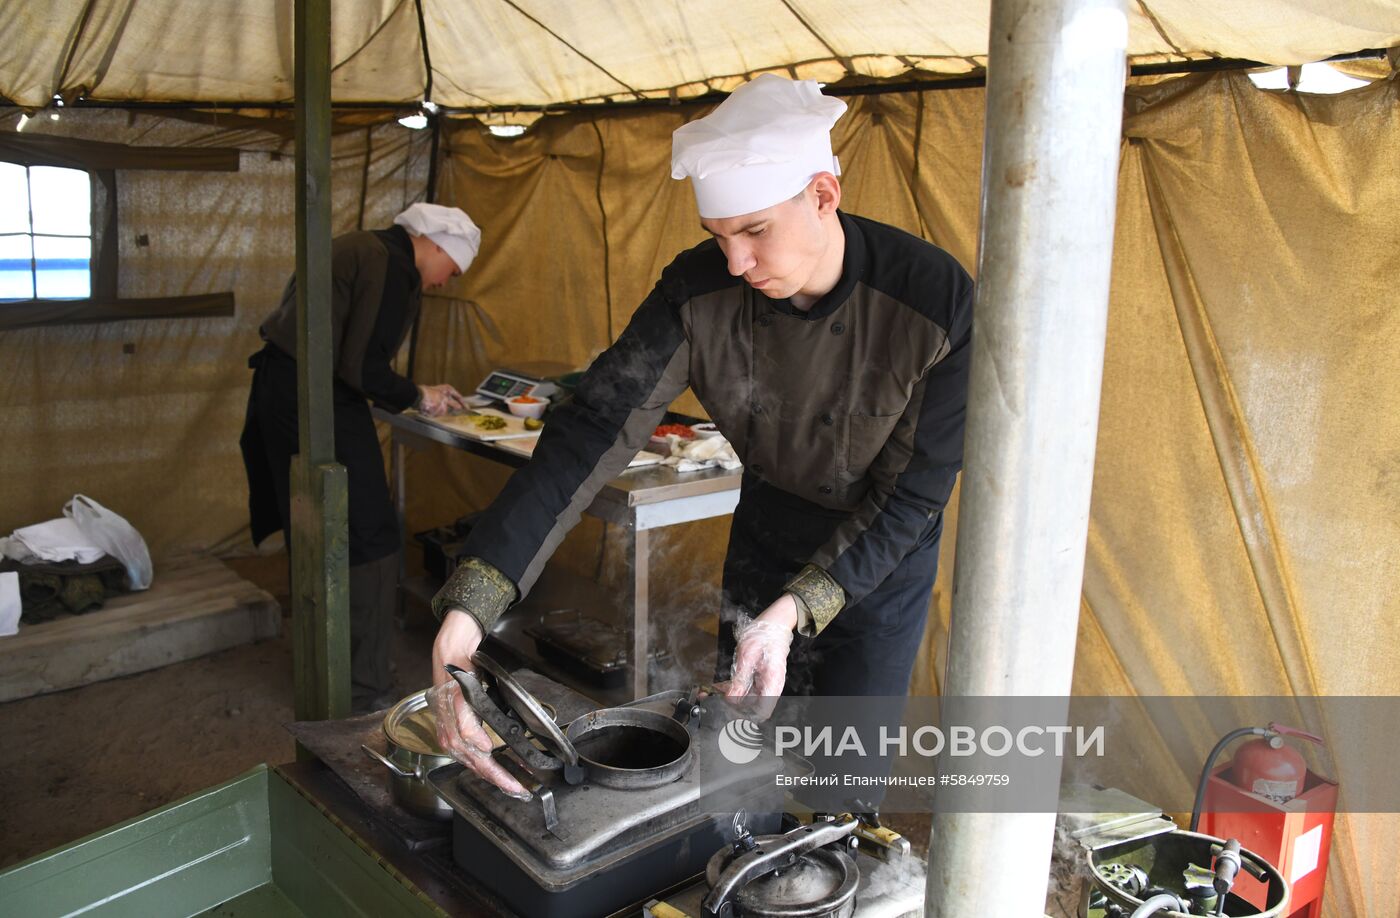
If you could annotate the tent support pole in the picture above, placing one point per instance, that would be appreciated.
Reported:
(1049, 184)
(320, 536)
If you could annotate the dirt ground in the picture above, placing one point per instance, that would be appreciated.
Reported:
(80, 761)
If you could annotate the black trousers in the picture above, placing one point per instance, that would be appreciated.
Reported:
(869, 649)
(269, 442)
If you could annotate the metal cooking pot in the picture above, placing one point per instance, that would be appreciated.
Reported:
(806, 873)
(1161, 859)
(410, 738)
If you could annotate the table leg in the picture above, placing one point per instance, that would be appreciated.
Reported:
(639, 631)
(397, 456)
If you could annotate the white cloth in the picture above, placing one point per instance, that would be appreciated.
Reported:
(694, 455)
(759, 147)
(449, 227)
(57, 540)
(10, 607)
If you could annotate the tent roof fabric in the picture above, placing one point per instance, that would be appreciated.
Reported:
(507, 53)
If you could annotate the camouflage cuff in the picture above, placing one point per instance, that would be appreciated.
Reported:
(478, 589)
(804, 624)
(819, 595)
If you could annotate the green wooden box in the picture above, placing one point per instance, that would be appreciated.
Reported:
(252, 846)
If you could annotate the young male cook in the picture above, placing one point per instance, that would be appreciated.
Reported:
(832, 351)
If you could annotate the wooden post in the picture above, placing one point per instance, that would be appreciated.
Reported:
(320, 536)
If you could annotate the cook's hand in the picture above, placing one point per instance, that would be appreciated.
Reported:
(760, 660)
(459, 729)
(435, 401)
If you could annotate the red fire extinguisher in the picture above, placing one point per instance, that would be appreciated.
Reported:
(1266, 765)
(1267, 797)
(1271, 768)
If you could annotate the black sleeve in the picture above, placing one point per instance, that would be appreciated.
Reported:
(379, 382)
(588, 442)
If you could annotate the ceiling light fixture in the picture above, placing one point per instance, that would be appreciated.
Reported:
(1318, 78)
(419, 119)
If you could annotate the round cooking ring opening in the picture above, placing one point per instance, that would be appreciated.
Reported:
(630, 747)
(629, 740)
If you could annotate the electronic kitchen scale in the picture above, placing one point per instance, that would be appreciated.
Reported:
(500, 385)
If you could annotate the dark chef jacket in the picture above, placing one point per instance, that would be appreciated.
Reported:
(856, 405)
(376, 294)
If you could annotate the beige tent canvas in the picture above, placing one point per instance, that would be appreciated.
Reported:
(1247, 470)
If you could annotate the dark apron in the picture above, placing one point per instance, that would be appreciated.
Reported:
(867, 650)
(870, 647)
(269, 442)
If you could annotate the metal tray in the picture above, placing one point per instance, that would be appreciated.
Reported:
(590, 647)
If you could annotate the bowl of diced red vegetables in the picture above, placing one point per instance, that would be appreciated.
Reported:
(527, 406)
(666, 434)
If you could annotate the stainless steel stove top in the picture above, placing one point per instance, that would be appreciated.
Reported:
(596, 826)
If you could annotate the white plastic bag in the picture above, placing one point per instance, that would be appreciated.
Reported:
(114, 535)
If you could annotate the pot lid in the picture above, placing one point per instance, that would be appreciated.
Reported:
(411, 725)
(818, 883)
(532, 713)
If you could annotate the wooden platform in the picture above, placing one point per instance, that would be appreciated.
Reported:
(195, 606)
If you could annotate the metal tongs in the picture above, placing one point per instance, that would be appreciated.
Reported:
(517, 716)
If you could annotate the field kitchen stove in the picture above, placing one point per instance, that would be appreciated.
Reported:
(622, 808)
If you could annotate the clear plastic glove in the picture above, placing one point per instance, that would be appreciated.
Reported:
(760, 659)
(459, 728)
(435, 401)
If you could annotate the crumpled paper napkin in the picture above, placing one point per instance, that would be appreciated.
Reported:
(707, 453)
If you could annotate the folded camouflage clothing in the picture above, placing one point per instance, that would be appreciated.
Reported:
(51, 588)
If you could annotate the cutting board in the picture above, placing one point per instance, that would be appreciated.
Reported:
(463, 424)
(526, 448)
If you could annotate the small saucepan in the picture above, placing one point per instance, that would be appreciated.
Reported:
(410, 738)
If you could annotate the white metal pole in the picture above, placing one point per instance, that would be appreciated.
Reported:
(1054, 119)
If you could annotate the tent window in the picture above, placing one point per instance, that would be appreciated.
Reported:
(45, 233)
(59, 224)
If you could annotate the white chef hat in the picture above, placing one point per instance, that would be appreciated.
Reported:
(761, 146)
(449, 227)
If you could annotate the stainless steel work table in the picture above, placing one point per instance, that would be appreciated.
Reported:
(639, 500)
